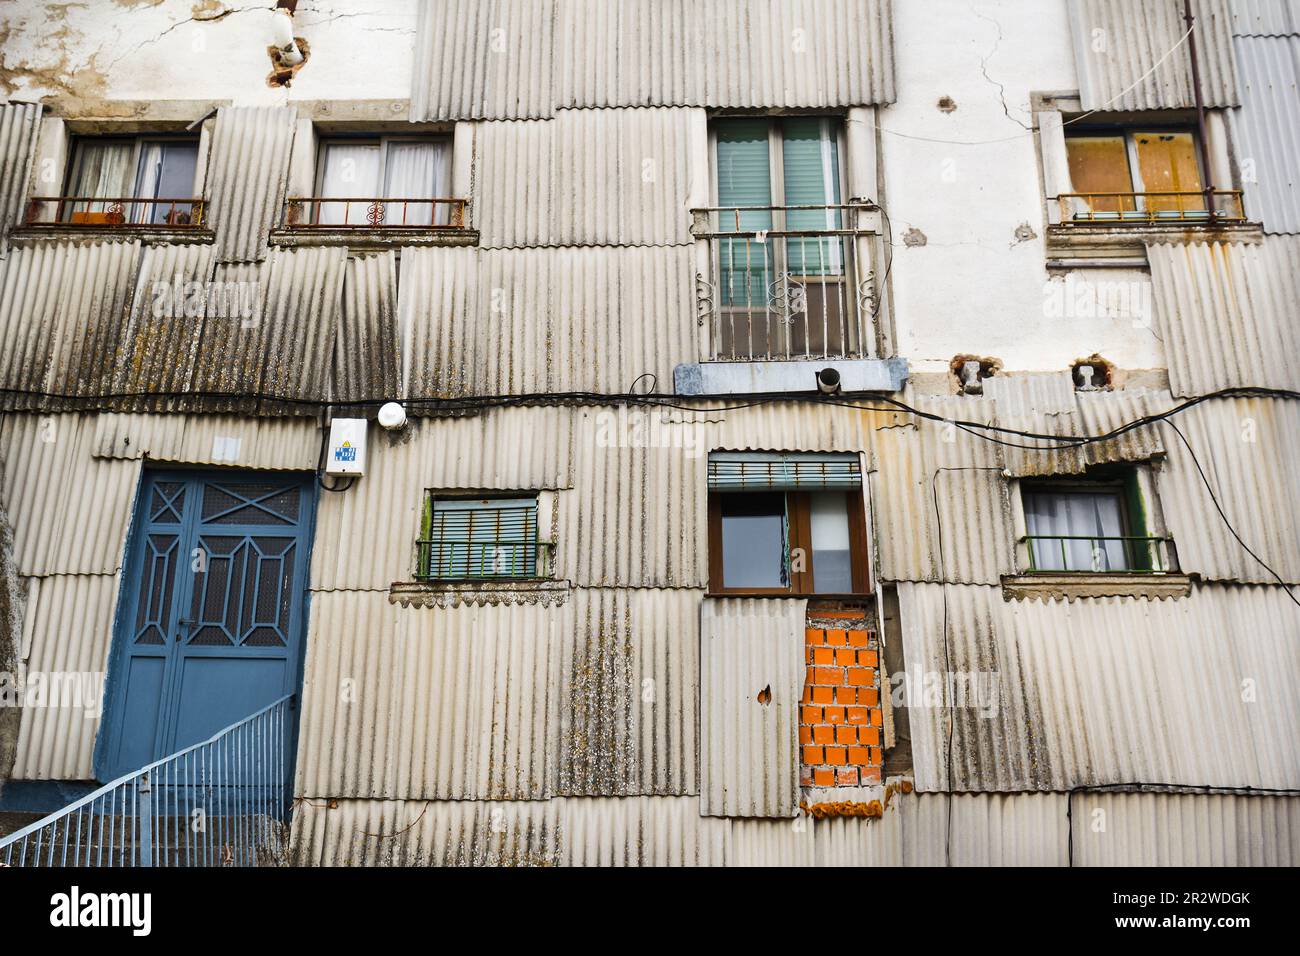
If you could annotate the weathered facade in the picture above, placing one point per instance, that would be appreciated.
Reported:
(559, 339)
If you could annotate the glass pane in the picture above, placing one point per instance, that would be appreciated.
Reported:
(1099, 164)
(832, 559)
(489, 537)
(1167, 162)
(166, 171)
(416, 171)
(100, 169)
(811, 171)
(1076, 531)
(753, 541)
(351, 172)
(744, 180)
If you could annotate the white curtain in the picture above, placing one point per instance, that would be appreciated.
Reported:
(351, 172)
(101, 170)
(1063, 516)
(417, 171)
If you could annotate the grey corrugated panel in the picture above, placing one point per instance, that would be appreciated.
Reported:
(506, 450)
(230, 358)
(290, 444)
(1266, 129)
(1133, 40)
(1166, 829)
(1265, 17)
(1226, 313)
(1095, 692)
(366, 347)
(1247, 448)
(629, 693)
(514, 171)
(247, 173)
(69, 510)
(412, 703)
(1025, 829)
(483, 59)
(641, 831)
(19, 123)
(749, 751)
(69, 621)
(1041, 393)
(530, 321)
(725, 53)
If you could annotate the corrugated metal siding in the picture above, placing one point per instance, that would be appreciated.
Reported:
(1023, 829)
(725, 53)
(289, 444)
(1133, 39)
(1092, 692)
(366, 347)
(513, 175)
(749, 751)
(483, 59)
(1265, 17)
(629, 693)
(1266, 130)
(418, 704)
(247, 173)
(1226, 313)
(19, 123)
(68, 622)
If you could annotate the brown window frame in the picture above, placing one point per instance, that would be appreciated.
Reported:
(798, 510)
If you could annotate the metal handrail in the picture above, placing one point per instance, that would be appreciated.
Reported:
(191, 208)
(374, 212)
(531, 558)
(1071, 212)
(222, 801)
(1156, 562)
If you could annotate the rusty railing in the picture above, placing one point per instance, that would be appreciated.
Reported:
(1201, 206)
(116, 213)
(334, 212)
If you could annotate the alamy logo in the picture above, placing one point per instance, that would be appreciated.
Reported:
(75, 909)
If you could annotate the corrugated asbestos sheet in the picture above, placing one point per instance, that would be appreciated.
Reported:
(66, 631)
(366, 346)
(281, 444)
(614, 177)
(542, 320)
(1090, 692)
(751, 679)
(246, 177)
(1117, 42)
(1266, 129)
(1266, 18)
(483, 59)
(1226, 313)
(725, 53)
(19, 123)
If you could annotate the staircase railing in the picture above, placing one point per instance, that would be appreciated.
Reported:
(222, 802)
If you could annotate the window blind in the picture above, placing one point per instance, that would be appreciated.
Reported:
(480, 538)
(764, 471)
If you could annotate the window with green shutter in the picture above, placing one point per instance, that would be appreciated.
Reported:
(478, 539)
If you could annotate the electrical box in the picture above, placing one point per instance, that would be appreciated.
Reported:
(347, 448)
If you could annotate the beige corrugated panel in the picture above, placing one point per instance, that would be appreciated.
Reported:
(749, 751)
(69, 510)
(1165, 829)
(725, 53)
(513, 174)
(1265, 17)
(19, 123)
(1248, 450)
(629, 693)
(1226, 313)
(483, 59)
(1266, 130)
(67, 627)
(365, 538)
(458, 703)
(938, 488)
(531, 321)
(289, 444)
(246, 177)
(1098, 691)
(1118, 42)
(641, 831)
(1024, 829)
(366, 348)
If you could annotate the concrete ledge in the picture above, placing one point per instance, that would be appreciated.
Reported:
(1069, 587)
(387, 238)
(478, 593)
(746, 378)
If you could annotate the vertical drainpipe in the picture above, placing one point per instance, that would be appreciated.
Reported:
(1203, 140)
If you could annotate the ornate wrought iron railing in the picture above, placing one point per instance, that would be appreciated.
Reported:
(1204, 206)
(333, 212)
(787, 282)
(116, 213)
(1099, 554)
(222, 802)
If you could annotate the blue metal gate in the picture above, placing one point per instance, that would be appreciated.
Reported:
(213, 615)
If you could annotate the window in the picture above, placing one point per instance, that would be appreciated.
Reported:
(1094, 523)
(786, 524)
(1136, 175)
(355, 172)
(140, 181)
(781, 251)
(479, 538)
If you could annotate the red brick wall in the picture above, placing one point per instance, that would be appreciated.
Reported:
(841, 726)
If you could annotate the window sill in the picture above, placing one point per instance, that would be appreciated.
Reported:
(444, 594)
(58, 230)
(786, 595)
(1071, 586)
(794, 375)
(1124, 243)
(385, 238)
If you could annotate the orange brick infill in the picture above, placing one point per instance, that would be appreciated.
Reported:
(840, 717)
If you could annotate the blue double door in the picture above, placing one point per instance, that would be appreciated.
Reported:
(212, 620)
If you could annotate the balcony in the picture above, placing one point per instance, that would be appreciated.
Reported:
(125, 214)
(1205, 207)
(370, 221)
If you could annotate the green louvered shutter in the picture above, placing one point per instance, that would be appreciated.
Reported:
(771, 471)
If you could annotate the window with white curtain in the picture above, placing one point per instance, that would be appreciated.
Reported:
(117, 171)
(1088, 525)
(354, 173)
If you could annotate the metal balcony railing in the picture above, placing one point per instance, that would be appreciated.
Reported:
(320, 212)
(110, 213)
(1106, 554)
(1191, 208)
(787, 282)
(446, 560)
(223, 802)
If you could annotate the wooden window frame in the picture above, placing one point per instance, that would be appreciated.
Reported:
(798, 525)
